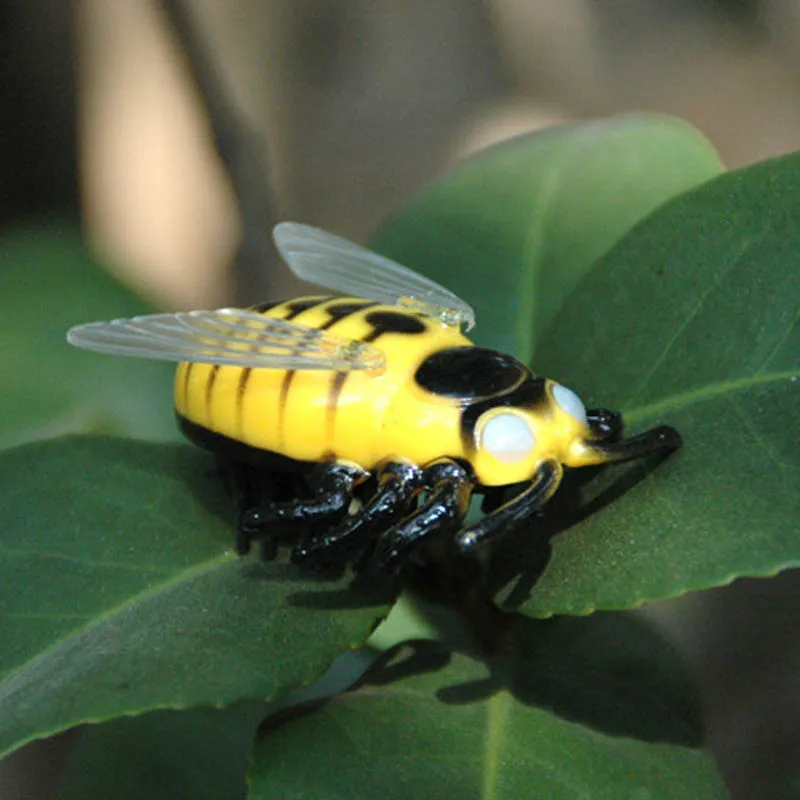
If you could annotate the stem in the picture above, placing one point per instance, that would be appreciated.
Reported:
(241, 150)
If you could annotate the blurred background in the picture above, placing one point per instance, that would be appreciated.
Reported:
(348, 107)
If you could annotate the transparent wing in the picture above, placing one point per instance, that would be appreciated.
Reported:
(229, 336)
(327, 260)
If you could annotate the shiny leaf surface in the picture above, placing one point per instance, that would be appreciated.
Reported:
(119, 592)
(698, 329)
(48, 282)
(690, 319)
(514, 228)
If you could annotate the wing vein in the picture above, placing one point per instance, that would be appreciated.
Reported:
(327, 260)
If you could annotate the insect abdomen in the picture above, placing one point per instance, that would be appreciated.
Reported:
(313, 415)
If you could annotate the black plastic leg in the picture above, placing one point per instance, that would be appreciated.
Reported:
(333, 485)
(660, 440)
(242, 483)
(398, 483)
(450, 488)
(506, 518)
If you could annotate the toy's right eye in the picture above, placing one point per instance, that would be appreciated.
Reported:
(508, 438)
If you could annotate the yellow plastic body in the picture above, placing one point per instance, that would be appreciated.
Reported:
(358, 416)
(315, 414)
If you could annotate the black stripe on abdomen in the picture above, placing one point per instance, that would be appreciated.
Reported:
(293, 309)
(210, 381)
(337, 310)
(381, 322)
(266, 306)
(186, 380)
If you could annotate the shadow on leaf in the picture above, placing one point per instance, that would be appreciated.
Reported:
(518, 563)
(610, 672)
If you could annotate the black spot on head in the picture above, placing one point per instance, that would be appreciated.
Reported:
(393, 322)
(470, 372)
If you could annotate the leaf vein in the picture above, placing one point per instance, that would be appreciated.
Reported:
(781, 341)
(41, 615)
(13, 552)
(128, 603)
(744, 418)
(496, 711)
(708, 392)
(710, 289)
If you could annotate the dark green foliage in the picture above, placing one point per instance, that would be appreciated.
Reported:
(48, 283)
(120, 594)
(507, 728)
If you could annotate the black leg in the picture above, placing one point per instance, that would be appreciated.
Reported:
(242, 483)
(398, 484)
(332, 484)
(503, 520)
(662, 439)
(493, 498)
(450, 488)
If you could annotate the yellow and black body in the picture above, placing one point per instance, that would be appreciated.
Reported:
(430, 400)
(361, 416)
(360, 392)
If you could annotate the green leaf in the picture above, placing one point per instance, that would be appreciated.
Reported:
(119, 592)
(439, 726)
(166, 755)
(693, 321)
(513, 229)
(48, 283)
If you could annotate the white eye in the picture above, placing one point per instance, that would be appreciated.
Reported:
(570, 402)
(508, 438)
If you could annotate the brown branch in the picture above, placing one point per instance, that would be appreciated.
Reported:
(241, 150)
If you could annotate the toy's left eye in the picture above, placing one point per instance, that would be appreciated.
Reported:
(508, 438)
(570, 402)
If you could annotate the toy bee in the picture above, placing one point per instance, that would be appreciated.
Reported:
(376, 396)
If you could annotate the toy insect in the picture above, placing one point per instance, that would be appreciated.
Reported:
(376, 396)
